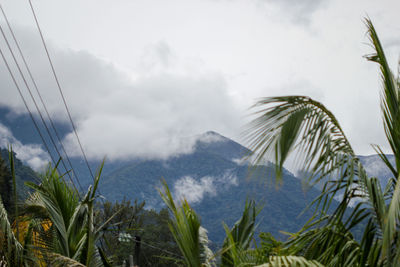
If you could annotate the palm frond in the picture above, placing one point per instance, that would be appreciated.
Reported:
(11, 248)
(390, 97)
(59, 201)
(74, 233)
(186, 230)
(288, 123)
(288, 261)
(63, 261)
(391, 224)
(240, 236)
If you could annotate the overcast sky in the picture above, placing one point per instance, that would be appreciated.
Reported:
(139, 75)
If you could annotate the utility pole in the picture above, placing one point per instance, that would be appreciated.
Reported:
(137, 248)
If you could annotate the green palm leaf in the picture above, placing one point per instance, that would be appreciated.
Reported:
(288, 123)
(188, 234)
(298, 123)
(290, 261)
(239, 238)
(11, 248)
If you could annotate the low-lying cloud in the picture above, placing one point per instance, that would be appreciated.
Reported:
(122, 114)
(31, 154)
(194, 190)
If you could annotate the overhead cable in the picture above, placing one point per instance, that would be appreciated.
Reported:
(59, 89)
(34, 101)
(26, 105)
(43, 104)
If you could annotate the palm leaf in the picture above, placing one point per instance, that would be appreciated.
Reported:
(390, 95)
(11, 248)
(288, 261)
(299, 123)
(288, 123)
(240, 236)
(187, 232)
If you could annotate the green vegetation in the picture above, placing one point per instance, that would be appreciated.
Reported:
(289, 123)
(157, 247)
(22, 173)
(5, 185)
(231, 182)
(56, 226)
(297, 122)
(193, 241)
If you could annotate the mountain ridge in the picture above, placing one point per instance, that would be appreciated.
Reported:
(216, 185)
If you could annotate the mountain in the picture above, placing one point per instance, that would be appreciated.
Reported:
(23, 130)
(213, 179)
(217, 185)
(377, 168)
(23, 173)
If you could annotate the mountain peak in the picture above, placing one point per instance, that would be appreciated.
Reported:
(211, 133)
(211, 137)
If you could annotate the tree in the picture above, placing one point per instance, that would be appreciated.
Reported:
(13, 252)
(127, 220)
(192, 240)
(5, 185)
(299, 123)
(67, 234)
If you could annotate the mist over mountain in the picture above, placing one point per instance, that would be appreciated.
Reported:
(212, 176)
(217, 185)
(377, 168)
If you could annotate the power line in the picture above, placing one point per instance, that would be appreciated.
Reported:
(126, 237)
(42, 101)
(166, 251)
(59, 89)
(26, 105)
(62, 95)
(34, 101)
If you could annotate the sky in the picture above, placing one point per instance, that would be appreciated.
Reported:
(143, 77)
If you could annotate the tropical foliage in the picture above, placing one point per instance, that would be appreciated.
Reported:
(299, 123)
(157, 248)
(236, 251)
(5, 185)
(57, 226)
(191, 238)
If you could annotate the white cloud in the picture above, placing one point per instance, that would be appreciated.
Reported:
(228, 179)
(194, 190)
(210, 137)
(32, 154)
(160, 59)
(250, 159)
(123, 117)
(296, 11)
(375, 167)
